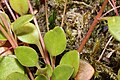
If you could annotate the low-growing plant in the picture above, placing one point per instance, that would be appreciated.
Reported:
(22, 32)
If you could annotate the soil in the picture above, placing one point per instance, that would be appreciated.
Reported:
(78, 18)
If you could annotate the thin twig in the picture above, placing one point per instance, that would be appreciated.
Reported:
(114, 6)
(109, 55)
(105, 48)
(5, 50)
(40, 36)
(63, 17)
(115, 10)
(92, 26)
(109, 12)
(7, 25)
(8, 37)
(46, 14)
(10, 10)
(30, 74)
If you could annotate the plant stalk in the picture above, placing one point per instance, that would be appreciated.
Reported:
(10, 10)
(8, 37)
(63, 18)
(8, 28)
(40, 36)
(92, 26)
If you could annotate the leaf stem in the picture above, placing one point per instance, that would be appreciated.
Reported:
(8, 28)
(40, 36)
(114, 6)
(63, 17)
(41, 51)
(5, 50)
(11, 12)
(8, 37)
(92, 26)
(52, 59)
(30, 74)
(46, 13)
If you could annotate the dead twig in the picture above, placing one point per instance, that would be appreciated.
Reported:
(46, 14)
(63, 17)
(115, 10)
(92, 26)
(105, 48)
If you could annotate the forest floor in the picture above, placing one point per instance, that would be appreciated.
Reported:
(78, 18)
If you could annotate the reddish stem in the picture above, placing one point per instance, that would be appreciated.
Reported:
(10, 10)
(41, 39)
(92, 26)
(114, 5)
(6, 50)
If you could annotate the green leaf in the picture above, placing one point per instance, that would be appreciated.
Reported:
(7, 20)
(52, 19)
(62, 72)
(114, 26)
(118, 76)
(26, 56)
(21, 21)
(45, 71)
(27, 33)
(5, 16)
(20, 6)
(17, 76)
(55, 41)
(71, 58)
(41, 77)
(2, 37)
(8, 65)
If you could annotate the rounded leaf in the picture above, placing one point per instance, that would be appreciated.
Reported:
(17, 76)
(21, 21)
(28, 33)
(20, 6)
(8, 65)
(41, 77)
(62, 72)
(5, 16)
(55, 41)
(26, 56)
(71, 58)
(114, 26)
(85, 72)
(7, 20)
